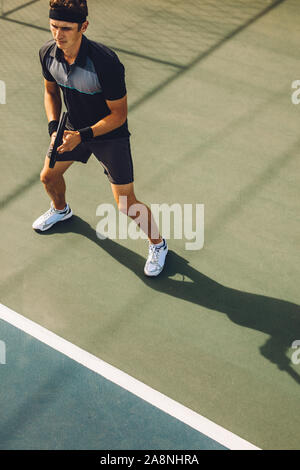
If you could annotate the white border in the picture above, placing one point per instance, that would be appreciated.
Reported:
(141, 390)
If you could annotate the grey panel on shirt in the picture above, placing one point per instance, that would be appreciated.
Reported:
(84, 80)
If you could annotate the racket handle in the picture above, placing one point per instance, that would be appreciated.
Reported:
(58, 139)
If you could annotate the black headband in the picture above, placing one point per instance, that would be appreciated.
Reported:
(65, 14)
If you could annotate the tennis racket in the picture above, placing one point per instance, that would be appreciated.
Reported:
(58, 139)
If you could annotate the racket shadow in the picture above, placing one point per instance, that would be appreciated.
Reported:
(277, 318)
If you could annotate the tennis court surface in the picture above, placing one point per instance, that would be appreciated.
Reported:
(94, 355)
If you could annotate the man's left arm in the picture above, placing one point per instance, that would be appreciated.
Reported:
(115, 119)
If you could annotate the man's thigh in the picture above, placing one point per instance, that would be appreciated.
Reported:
(115, 157)
(59, 168)
(81, 153)
(123, 190)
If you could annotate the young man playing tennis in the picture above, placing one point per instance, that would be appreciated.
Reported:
(91, 78)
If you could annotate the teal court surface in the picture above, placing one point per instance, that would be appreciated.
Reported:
(63, 400)
(95, 355)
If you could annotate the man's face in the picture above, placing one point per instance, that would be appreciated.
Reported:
(65, 34)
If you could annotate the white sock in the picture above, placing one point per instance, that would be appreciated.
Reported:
(158, 245)
(62, 210)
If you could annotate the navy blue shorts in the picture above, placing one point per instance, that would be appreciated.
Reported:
(114, 155)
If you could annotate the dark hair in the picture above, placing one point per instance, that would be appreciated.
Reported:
(78, 6)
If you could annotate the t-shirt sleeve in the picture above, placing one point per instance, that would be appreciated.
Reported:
(112, 79)
(47, 75)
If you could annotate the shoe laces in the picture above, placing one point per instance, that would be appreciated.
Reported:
(49, 212)
(154, 254)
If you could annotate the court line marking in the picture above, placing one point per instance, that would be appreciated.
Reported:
(132, 385)
(17, 8)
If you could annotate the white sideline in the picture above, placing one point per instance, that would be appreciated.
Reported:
(141, 390)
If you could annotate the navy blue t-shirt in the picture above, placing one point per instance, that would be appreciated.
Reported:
(96, 75)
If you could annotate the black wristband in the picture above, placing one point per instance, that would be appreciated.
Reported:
(52, 127)
(86, 134)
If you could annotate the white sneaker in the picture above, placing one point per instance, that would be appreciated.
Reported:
(156, 259)
(51, 217)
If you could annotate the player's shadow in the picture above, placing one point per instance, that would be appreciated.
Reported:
(277, 318)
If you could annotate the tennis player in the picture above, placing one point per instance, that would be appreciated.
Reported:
(92, 81)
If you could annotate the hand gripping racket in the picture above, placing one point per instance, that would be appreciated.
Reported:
(58, 139)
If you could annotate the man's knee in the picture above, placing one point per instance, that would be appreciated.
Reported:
(51, 176)
(47, 177)
(133, 208)
(125, 202)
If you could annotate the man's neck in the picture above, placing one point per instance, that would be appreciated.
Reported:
(70, 54)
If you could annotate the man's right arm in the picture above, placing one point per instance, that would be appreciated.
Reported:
(52, 101)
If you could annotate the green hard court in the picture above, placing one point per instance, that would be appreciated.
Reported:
(212, 120)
